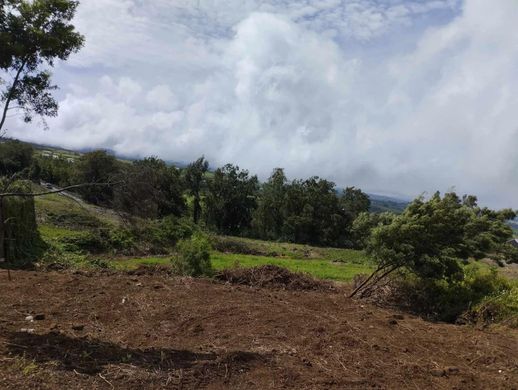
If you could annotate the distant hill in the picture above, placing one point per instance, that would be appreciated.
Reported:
(379, 203)
(50, 150)
(382, 203)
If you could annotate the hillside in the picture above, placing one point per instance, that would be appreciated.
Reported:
(381, 203)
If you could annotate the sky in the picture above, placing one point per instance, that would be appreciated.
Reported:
(395, 97)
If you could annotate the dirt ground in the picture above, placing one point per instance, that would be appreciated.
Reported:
(152, 331)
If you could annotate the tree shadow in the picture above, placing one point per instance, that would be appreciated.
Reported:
(91, 356)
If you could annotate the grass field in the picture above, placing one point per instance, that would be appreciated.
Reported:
(322, 269)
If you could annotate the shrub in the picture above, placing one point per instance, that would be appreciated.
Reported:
(497, 308)
(85, 241)
(441, 300)
(193, 257)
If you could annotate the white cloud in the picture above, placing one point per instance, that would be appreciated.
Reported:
(399, 96)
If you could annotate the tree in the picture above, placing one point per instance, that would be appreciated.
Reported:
(150, 189)
(96, 167)
(430, 238)
(34, 34)
(195, 179)
(313, 214)
(231, 200)
(363, 225)
(269, 216)
(354, 201)
(15, 156)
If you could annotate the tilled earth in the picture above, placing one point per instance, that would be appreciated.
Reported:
(88, 331)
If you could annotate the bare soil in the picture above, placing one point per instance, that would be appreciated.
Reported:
(150, 331)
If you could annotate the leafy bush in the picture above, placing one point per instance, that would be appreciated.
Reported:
(448, 301)
(497, 308)
(91, 242)
(193, 257)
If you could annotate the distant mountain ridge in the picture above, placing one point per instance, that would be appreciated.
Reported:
(382, 203)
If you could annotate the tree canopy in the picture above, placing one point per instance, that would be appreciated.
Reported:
(431, 237)
(34, 34)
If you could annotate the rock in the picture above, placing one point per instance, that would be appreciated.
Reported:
(29, 318)
(78, 327)
(438, 372)
(39, 317)
(452, 370)
(27, 330)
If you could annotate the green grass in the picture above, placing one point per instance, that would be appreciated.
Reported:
(241, 245)
(321, 269)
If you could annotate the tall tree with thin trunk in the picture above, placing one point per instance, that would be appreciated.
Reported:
(194, 178)
(33, 35)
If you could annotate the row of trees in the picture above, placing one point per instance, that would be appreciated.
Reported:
(228, 200)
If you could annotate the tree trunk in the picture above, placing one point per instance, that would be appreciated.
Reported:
(2, 232)
(3, 259)
(10, 95)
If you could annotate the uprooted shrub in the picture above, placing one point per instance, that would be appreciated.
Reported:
(273, 276)
(193, 257)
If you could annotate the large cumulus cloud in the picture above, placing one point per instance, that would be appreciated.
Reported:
(397, 96)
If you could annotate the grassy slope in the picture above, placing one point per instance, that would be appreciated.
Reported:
(325, 263)
(61, 218)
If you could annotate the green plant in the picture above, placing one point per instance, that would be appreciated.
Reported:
(501, 307)
(193, 257)
(441, 300)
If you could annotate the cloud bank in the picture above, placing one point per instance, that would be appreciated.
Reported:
(393, 96)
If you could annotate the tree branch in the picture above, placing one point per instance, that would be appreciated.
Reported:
(11, 94)
(31, 195)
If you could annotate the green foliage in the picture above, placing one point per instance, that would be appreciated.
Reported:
(450, 301)
(22, 241)
(150, 189)
(283, 250)
(193, 257)
(142, 237)
(507, 253)
(96, 167)
(231, 200)
(268, 219)
(15, 157)
(195, 180)
(33, 34)
(58, 171)
(501, 307)
(364, 224)
(430, 237)
(354, 201)
(313, 214)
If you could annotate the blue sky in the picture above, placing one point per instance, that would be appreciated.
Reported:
(397, 97)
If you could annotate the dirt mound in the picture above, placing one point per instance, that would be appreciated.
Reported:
(272, 276)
